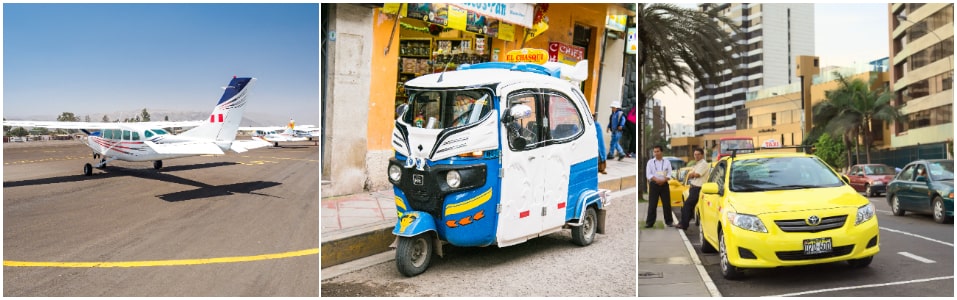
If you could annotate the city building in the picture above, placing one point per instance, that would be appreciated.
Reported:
(369, 50)
(922, 76)
(771, 36)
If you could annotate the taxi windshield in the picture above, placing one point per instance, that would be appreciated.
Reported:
(781, 173)
(432, 109)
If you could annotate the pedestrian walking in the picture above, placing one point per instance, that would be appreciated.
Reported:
(616, 125)
(631, 132)
(601, 145)
(657, 173)
(698, 170)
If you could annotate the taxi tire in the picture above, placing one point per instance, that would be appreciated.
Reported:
(584, 235)
(413, 254)
(728, 271)
(861, 262)
(896, 206)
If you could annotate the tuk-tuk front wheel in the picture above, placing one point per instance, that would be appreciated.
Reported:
(413, 254)
(585, 234)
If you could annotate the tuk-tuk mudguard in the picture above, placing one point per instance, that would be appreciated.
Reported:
(413, 223)
(582, 188)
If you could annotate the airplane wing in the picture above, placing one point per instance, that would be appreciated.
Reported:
(198, 148)
(98, 125)
(240, 146)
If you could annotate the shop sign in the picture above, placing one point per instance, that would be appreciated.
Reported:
(564, 53)
(506, 31)
(515, 13)
(631, 46)
(457, 18)
(616, 22)
(527, 55)
(429, 12)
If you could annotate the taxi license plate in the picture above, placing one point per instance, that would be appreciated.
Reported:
(817, 246)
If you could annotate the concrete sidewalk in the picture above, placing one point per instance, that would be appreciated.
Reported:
(668, 266)
(360, 225)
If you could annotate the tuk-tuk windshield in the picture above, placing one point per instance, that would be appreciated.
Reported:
(448, 108)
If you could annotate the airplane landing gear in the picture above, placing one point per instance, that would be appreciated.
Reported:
(157, 164)
(87, 169)
(96, 155)
(102, 164)
(276, 144)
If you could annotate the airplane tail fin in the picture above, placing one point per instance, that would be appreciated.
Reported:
(226, 116)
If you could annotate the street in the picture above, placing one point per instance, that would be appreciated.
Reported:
(916, 259)
(546, 266)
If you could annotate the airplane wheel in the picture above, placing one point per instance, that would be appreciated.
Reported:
(87, 169)
(276, 144)
(157, 164)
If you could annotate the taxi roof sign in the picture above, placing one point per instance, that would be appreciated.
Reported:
(527, 55)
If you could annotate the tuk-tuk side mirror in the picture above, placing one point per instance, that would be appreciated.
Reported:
(402, 109)
(516, 112)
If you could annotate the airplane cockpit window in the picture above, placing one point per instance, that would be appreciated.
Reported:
(160, 131)
(148, 134)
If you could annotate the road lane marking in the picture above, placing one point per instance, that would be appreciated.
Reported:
(863, 286)
(917, 258)
(160, 263)
(918, 236)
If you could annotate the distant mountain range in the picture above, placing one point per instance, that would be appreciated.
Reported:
(251, 119)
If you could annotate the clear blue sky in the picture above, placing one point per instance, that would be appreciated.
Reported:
(102, 58)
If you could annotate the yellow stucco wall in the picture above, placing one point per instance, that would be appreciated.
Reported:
(383, 78)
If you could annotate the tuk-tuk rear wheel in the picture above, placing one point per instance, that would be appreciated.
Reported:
(413, 254)
(584, 235)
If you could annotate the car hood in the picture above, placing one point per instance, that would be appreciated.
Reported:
(756, 203)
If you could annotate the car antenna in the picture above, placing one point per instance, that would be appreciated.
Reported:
(446, 68)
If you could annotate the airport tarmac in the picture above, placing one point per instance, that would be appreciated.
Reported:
(229, 225)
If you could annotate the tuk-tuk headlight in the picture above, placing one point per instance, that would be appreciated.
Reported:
(453, 179)
(395, 173)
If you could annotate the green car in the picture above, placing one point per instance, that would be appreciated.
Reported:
(924, 186)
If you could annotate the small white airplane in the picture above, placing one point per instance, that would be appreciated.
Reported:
(277, 134)
(148, 141)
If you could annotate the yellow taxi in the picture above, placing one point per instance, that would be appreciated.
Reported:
(766, 210)
(678, 186)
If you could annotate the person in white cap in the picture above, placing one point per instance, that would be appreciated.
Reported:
(616, 125)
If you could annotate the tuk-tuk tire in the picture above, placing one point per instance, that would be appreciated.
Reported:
(584, 235)
(413, 254)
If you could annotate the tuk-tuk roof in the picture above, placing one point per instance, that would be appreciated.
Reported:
(491, 74)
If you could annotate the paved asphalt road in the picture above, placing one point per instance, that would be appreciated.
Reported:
(236, 207)
(890, 274)
(545, 266)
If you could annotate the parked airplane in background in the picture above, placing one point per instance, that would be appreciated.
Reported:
(289, 133)
(148, 141)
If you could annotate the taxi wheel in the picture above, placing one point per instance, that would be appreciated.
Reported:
(584, 235)
(413, 254)
(860, 263)
(727, 270)
(940, 216)
(896, 206)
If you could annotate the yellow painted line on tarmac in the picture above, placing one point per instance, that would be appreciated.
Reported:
(160, 263)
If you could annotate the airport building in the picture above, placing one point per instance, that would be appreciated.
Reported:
(771, 37)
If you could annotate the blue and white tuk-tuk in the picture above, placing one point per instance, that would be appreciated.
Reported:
(494, 154)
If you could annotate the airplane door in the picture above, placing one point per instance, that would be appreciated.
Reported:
(522, 169)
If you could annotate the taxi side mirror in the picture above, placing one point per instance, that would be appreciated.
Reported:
(846, 180)
(709, 188)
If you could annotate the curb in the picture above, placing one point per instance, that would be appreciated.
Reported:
(342, 246)
(713, 289)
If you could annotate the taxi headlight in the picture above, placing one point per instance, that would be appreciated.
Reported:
(747, 222)
(453, 179)
(395, 173)
(864, 213)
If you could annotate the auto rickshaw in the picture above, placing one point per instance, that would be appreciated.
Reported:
(494, 154)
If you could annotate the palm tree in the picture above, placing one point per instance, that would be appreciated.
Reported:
(675, 45)
(852, 109)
